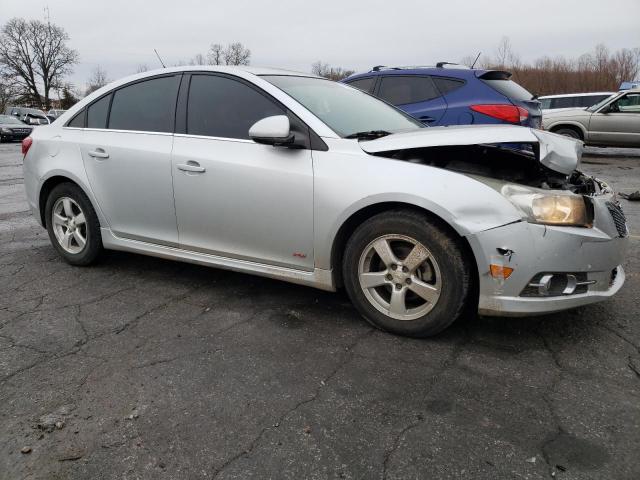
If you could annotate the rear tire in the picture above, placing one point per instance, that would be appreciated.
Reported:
(406, 274)
(569, 132)
(72, 225)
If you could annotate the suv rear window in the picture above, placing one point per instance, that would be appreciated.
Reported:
(509, 89)
(447, 85)
(589, 100)
(400, 90)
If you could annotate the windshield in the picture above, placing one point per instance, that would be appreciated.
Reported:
(7, 119)
(344, 109)
(598, 105)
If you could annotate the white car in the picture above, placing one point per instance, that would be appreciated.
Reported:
(302, 179)
(568, 101)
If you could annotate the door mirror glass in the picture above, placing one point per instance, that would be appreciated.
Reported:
(274, 130)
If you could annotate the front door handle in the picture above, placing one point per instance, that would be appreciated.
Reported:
(98, 153)
(426, 118)
(191, 166)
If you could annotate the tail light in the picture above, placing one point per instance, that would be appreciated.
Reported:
(26, 145)
(506, 113)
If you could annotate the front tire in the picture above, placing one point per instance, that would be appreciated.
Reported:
(72, 225)
(406, 274)
(569, 132)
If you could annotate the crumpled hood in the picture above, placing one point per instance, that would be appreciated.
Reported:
(561, 154)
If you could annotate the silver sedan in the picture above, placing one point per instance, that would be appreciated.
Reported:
(302, 179)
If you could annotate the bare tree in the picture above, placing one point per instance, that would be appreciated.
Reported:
(216, 54)
(232, 54)
(599, 70)
(332, 73)
(98, 79)
(236, 54)
(8, 90)
(198, 59)
(36, 56)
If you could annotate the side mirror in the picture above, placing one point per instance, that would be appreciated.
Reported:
(274, 131)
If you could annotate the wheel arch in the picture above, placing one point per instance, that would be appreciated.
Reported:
(365, 213)
(578, 127)
(49, 184)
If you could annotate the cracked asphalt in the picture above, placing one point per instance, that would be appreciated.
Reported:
(146, 368)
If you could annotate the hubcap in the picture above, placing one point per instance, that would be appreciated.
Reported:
(400, 277)
(69, 225)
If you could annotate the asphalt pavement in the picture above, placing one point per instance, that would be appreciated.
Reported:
(146, 368)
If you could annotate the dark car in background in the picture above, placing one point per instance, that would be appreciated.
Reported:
(30, 116)
(450, 94)
(12, 129)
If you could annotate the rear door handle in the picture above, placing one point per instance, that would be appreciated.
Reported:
(98, 153)
(191, 166)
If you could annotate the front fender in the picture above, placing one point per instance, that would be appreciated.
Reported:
(345, 184)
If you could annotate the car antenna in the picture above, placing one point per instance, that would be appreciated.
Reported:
(158, 55)
(474, 62)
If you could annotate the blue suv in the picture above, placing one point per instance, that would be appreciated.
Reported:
(450, 94)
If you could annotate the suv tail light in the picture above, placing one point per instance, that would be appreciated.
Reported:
(26, 145)
(506, 113)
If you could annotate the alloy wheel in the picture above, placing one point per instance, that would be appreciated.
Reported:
(400, 277)
(69, 225)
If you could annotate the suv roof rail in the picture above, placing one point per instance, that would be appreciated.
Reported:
(451, 65)
(377, 68)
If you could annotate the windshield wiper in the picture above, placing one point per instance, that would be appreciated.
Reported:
(371, 134)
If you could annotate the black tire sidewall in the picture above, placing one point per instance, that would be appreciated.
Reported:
(568, 132)
(447, 252)
(93, 248)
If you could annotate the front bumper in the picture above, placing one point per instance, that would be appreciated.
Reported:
(533, 249)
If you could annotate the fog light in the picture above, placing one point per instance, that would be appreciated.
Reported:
(557, 284)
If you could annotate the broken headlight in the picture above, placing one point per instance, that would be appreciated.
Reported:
(550, 208)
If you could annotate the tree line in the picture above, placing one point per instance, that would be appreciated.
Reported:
(35, 61)
(599, 70)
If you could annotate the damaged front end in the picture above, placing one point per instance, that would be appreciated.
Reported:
(511, 154)
(568, 248)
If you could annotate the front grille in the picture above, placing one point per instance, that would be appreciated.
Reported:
(21, 131)
(618, 218)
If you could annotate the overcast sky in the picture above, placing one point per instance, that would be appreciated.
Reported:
(119, 35)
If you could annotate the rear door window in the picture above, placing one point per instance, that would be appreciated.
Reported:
(563, 102)
(222, 107)
(401, 90)
(97, 113)
(364, 84)
(77, 121)
(147, 106)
